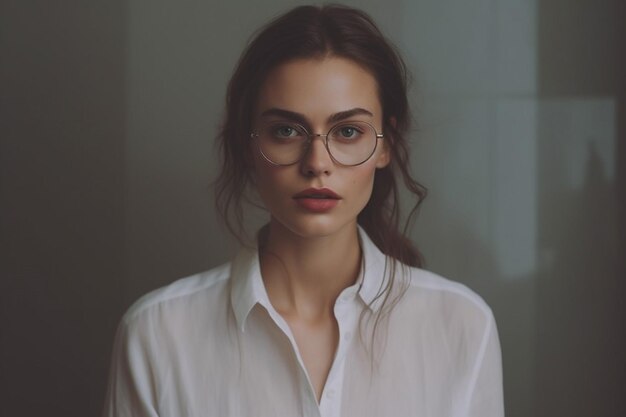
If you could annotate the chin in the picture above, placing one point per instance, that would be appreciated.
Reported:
(314, 227)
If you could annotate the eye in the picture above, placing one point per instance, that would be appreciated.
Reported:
(285, 131)
(348, 132)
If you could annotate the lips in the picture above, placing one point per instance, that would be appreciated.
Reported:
(317, 200)
(319, 193)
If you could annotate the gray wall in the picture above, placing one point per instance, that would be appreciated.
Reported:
(62, 190)
(107, 116)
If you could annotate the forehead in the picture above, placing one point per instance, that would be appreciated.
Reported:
(318, 88)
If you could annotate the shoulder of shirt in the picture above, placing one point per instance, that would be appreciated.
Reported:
(430, 281)
(180, 288)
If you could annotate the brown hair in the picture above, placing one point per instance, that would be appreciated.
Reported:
(311, 32)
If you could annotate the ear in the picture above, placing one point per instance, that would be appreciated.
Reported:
(384, 157)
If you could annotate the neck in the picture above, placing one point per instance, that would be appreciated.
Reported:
(305, 275)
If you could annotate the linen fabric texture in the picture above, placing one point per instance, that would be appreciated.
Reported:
(212, 345)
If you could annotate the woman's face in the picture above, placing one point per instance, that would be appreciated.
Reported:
(317, 93)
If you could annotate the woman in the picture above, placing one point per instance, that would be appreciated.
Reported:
(327, 313)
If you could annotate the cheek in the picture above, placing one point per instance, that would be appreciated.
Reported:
(269, 181)
(362, 183)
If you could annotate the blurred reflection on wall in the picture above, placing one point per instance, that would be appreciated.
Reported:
(517, 140)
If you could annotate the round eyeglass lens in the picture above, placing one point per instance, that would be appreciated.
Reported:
(352, 143)
(283, 144)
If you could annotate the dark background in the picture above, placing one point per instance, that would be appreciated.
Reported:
(97, 207)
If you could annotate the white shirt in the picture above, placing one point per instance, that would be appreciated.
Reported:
(212, 345)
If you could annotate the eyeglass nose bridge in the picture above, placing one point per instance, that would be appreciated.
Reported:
(309, 142)
(321, 135)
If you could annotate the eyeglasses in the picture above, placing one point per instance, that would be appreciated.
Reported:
(348, 143)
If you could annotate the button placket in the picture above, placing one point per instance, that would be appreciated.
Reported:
(345, 313)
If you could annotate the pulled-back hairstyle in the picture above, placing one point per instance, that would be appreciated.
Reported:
(317, 32)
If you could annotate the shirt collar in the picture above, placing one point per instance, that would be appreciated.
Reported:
(247, 286)
(248, 289)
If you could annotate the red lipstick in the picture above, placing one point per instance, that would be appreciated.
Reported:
(317, 200)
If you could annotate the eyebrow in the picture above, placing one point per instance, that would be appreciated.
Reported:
(300, 118)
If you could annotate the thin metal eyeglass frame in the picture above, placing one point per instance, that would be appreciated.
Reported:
(310, 136)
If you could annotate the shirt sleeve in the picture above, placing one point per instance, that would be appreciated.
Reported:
(132, 388)
(486, 394)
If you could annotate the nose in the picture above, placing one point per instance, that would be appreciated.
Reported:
(317, 161)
